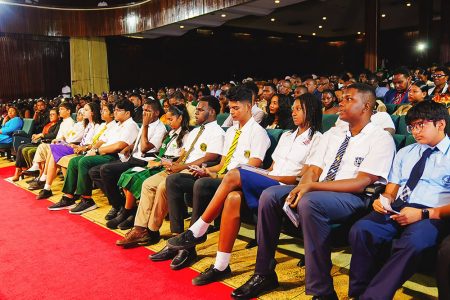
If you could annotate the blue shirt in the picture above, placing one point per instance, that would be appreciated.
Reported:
(390, 96)
(10, 126)
(433, 188)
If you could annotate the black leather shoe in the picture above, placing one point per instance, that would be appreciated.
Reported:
(255, 286)
(332, 296)
(127, 224)
(31, 173)
(184, 258)
(112, 214)
(185, 240)
(165, 254)
(44, 194)
(211, 275)
(121, 216)
(36, 185)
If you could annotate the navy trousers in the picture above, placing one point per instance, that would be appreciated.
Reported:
(317, 210)
(370, 235)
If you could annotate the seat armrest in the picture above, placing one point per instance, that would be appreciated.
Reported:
(20, 133)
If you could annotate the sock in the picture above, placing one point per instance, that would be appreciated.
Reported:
(222, 260)
(34, 167)
(43, 177)
(199, 228)
(47, 187)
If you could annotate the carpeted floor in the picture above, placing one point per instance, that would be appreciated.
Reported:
(85, 260)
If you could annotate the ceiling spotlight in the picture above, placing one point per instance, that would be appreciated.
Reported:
(273, 19)
(277, 1)
(408, 4)
(223, 15)
(359, 32)
(313, 33)
(320, 26)
(383, 15)
(421, 46)
(181, 26)
(299, 36)
(324, 18)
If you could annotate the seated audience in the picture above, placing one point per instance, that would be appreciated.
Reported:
(77, 180)
(329, 103)
(278, 113)
(417, 93)
(241, 185)
(331, 190)
(406, 210)
(11, 123)
(204, 144)
(402, 80)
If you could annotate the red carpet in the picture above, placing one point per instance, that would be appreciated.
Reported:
(55, 255)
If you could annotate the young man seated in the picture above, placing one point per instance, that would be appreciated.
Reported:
(419, 182)
(331, 190)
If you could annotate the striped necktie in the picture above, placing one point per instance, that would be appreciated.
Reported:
(230, 152)
(331, 175)
(413, 180)
(98, 135)
(202, 128)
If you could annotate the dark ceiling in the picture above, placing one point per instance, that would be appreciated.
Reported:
(74, 3)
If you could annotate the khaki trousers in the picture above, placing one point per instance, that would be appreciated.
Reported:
(153, 205)
(41, 153)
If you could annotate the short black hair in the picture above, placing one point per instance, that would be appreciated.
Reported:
(366, 90)
(134, 95)
(239, 93)
(402, 71)
(67, 106)
(427, 110)
(177, 95)
(442, 69)
(213, 102)
(272, 86)
(423, 86)
(126, 105)
(252, 87)
(155, 105)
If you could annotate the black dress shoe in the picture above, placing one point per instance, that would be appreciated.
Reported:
(211, 275)
(121, 216)
(165, 254)
(184, 258)
(36, 185)
(31, 173)
(332, 296)
(185, 240)
(127, 224)
(255, 286)
(44, 194)
(112, 213)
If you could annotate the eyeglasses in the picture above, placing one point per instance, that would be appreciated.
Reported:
(417, 126)
(437, 75)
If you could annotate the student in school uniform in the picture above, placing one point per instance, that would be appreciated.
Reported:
(244, 185)
(346, 161)
(419, 182)
(246, 142)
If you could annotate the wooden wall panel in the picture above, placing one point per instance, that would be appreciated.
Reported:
(106, 21)
(33, 66)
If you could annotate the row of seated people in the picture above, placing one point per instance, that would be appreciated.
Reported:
(334, 168)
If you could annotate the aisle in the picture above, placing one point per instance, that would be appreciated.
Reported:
(56, 255)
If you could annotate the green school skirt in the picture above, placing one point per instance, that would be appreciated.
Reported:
(132, 181)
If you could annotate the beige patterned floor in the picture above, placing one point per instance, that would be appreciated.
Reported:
(291, 277)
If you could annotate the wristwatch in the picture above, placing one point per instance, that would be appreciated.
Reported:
(425, 214)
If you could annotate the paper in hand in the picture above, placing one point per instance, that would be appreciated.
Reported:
(387, 204)
(292, 215)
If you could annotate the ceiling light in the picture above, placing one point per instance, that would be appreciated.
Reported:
(313, 33)
(359, 32)
(324, 18)
(181, 26)
(277, 1)
(383, 15)
(223, 15)
(273, 19)
(408, 4)
(421, 46)
(299, 36)
(320, 26)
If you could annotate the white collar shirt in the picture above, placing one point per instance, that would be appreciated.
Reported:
(126, 132)
(292, 151)
(253, 143)
(371, 151)
(155, 135)
(210, 141)
(172, 147)
(64, 128)
(89, 132)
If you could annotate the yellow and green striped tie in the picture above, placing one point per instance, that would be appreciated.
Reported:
(230, 152)
(98, 135)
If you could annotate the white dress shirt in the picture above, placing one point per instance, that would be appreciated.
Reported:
(210, 141)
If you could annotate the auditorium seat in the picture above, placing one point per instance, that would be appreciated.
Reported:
(221, 118)
(401, 129)
(328, 121)
(391, 108)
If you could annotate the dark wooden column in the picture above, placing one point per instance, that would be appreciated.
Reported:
(425, 19)
(445, 32)
(372, 24)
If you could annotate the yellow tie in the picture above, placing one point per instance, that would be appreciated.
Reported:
(230, 152)
(98, 135)
(193, 144)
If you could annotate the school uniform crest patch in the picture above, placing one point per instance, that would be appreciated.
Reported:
(358, 161)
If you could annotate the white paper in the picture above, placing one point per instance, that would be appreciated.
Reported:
(292, 215)
(387, 204)
(138, 169)
(253, 169)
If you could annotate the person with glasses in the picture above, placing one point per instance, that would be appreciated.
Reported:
(406, 217)
(345, 161)
(77, 180)
(440, 79)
